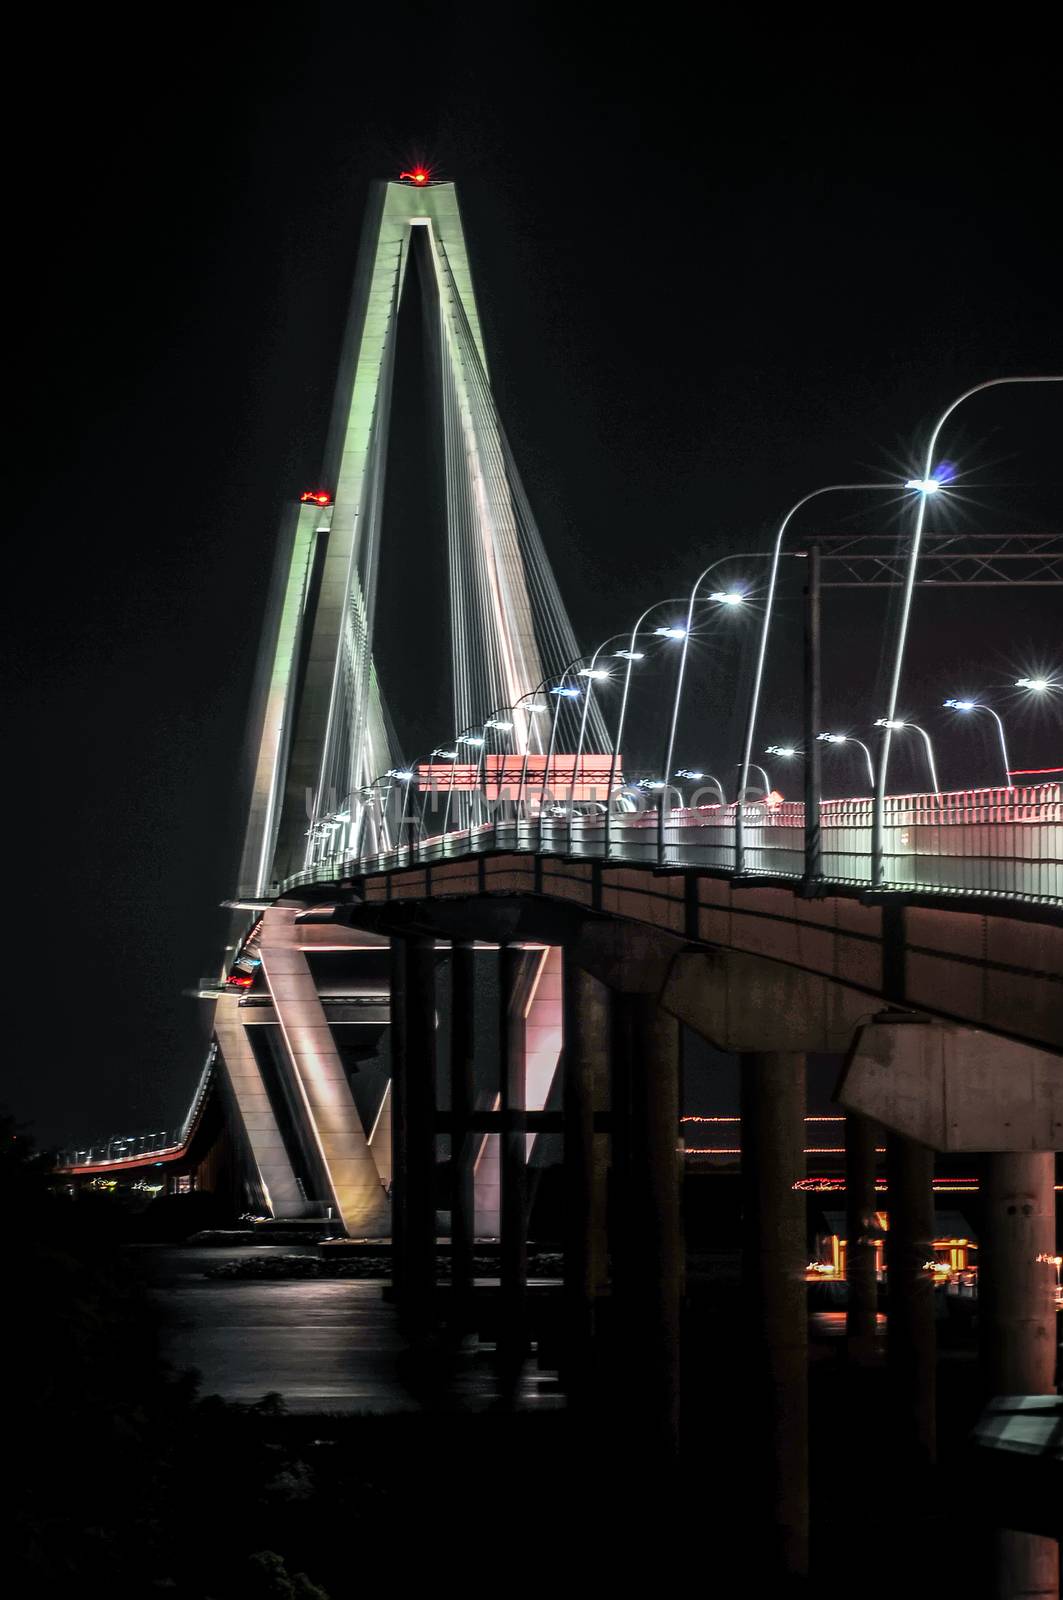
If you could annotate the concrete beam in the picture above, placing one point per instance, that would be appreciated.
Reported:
(748, 1004)
(625, 957)
(954, 1088)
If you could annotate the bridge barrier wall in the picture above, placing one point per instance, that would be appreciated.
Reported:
(996, 842)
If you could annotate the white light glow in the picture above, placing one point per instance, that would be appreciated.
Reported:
(671, 633)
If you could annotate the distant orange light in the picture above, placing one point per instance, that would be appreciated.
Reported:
(236, 982)
(316, 497)
(418, 175)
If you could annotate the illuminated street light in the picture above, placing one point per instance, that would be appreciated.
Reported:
(726, 597)
(977, 705)
(847, 738)
(703, 777)
(787, 751)
(594, 672)
(1038, 685)
(505, 726)
(878, 816)
(672, 631)
(895, 724)
(762, 650)
(925, 485)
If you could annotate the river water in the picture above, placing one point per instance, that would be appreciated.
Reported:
(322, 1344)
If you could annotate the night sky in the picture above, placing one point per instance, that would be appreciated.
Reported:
(715, 270)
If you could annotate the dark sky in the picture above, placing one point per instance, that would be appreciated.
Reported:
(715, 268)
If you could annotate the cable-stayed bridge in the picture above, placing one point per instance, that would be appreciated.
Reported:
(353, 1077)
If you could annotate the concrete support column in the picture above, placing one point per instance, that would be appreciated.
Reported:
(775, 1253)
(585, 1066)
(861, 1203)
(655, 1263)
(413, 1131)
(462, 1140)
(1017, 1318)
(399, 1055)
(912, 1344)
(513, 1270)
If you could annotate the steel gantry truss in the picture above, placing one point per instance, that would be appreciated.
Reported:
(948, 560)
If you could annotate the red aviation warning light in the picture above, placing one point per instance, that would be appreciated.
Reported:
(315, 497)
(419, 176)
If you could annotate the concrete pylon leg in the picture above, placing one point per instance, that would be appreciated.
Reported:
(462, 1144)
(399, 1054)
(585, 1065)
(912, 1345)
(775, 1252)
(513, 1247)
(414, 1111)
(655, 1266)
(860, 1206)
(1017, 1317)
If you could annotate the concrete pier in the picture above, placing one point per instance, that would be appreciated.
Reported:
(585, 1068)
(775, 1320)
(1017, 1316)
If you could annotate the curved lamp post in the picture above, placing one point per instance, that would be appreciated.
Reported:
(896, 725)
(631, 656)
(927, 485)
(722, 597)
(847, 738)
(593, 674)
(561, 693)
(466, 736)
(978, 705)
(448, 755)
(703, 777)
(758, 676)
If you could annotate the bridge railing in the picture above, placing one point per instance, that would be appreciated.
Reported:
(116, 1151)
(998, 842)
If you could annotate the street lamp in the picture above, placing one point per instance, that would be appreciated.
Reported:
(928, 478)
(755, 767)
(631, 655)
(466, 736)
(847, 738)
(977, 705)
(732, 598)
(1036, 685)
(893, 725)
(595, 674)
(447, 755)
(560, 692)
(787, 751)
(703, 777)
(758, 676)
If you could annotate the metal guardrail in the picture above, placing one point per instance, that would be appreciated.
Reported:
(1001, 843)
(137, 1146)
